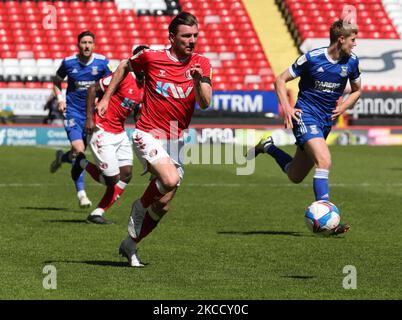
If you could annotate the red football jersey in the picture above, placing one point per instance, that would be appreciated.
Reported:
(127, 96)
(169, 99)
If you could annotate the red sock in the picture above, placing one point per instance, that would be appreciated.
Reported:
(151, 194)
(148, 225)
(111, 195)
(93, 171)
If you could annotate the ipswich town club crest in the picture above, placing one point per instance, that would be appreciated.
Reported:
(344, 71)
(94, 71)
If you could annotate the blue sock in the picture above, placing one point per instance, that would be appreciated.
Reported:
(79, 184)
(280, 156)
(320, 184)
(66, 157)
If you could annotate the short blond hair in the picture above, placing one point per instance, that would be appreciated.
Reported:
(341, 28)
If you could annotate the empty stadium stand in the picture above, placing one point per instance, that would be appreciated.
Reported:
(309, 22)
(31, 46)
(312, 18)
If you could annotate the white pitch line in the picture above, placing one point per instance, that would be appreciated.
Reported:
(216, 185)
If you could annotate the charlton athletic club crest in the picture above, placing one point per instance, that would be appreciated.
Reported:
(187, 74)
(344, 71)
(94, 71)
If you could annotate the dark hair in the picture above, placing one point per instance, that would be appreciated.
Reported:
(139, 48)
(84, 34)
(182, 18)
(341, 28)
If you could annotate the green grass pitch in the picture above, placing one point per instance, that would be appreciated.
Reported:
(226, 237)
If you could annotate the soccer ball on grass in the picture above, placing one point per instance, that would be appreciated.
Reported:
(322, 217)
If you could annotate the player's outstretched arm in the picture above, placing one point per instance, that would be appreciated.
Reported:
(289, 112)
(120, 73)
(91, 97)
(343, 105)
(202, 87)
(61, 104)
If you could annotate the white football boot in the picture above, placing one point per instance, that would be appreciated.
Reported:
(136, 219)
(128, 249)
(83, 200)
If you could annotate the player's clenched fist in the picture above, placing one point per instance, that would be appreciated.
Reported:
(196, 72)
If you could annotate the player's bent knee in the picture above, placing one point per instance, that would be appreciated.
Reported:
(324, 164)
(169, 183)
(111, 181)
(126, 177)
(296, 179)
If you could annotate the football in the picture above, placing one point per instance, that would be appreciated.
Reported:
(322, 217)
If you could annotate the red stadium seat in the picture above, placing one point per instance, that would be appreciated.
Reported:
(23, 47)
(41, 54)
(33, 85)
(47, 85)
(16, 85)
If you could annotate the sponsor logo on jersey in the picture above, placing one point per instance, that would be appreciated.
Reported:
(74, 71)
(162, 73)
(168, 89)
(83, 85)
(128, 104)
(320, 69)
(344, 71)
(324, 86)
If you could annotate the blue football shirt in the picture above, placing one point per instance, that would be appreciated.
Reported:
(80, 77)
(323, 80)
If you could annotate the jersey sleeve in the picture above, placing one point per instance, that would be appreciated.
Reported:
(108, 70)
(104, 82)
(299, 66)
(354, 76)
(206, 68)
(62, 71)
(139, 61)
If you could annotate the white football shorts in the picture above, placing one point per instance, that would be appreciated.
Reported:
(111, 151)
(149, 149)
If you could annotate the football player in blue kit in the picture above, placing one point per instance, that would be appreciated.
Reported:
(82, 70)
(323, 73)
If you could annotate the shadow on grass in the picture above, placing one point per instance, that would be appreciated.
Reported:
(267, 232)
(52, 209)
(46, 209)
(299, 277)
(102, 263)
(66, 221)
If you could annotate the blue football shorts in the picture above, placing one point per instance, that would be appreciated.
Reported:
(75, 128)
(310, 127)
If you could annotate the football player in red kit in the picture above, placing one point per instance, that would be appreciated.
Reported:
(175, 79)
(109, 143)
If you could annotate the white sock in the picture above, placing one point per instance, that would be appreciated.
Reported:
(97, 212)
(81, 194)
(122, 185)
